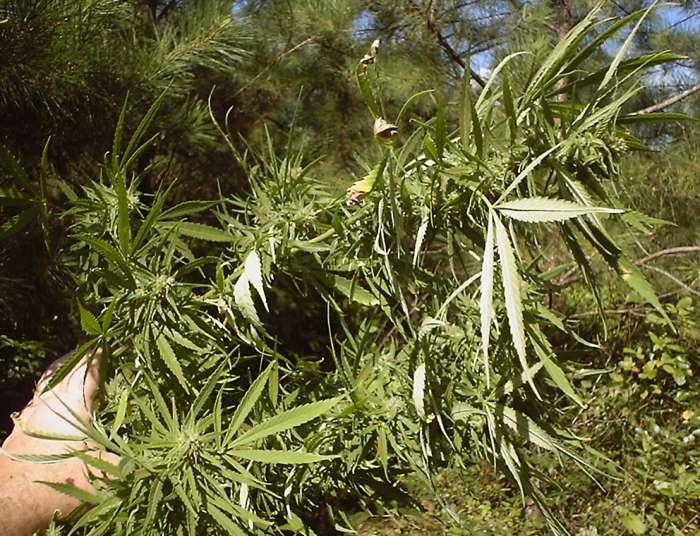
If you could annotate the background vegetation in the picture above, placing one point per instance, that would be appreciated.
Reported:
(211, 247)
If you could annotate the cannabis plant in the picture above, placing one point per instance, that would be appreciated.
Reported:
(283, 358)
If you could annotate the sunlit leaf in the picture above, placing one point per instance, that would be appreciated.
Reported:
(251, 276)
(540, 209)
(512, 294)
(419, 390)
(285, 421)
(485, 302)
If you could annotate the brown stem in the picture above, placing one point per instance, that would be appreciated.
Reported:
(670, 251)
(670, 101)
(451, 52)
(563, 26)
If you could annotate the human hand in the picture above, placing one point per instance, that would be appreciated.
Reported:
(26, 505)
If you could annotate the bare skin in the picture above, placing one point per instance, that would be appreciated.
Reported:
(27, 506)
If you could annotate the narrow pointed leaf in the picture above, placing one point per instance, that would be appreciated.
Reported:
(511, 291)
(286, 420)
(248, 402)
(280, 456)
(98, 463)
(541, 209)
(198, 231)
(420, 236)
(527, 428)
(72, 491)
(612, 69)
(121, 412)
(186, 208)
(138, 134)
(486, 299)
(354, 291)
(419, 390)
(70, 363)
(119, 134)
(635, 279)
(224, 521)
(88, 321)
(544, 351)
(123, 224)
(170, 359)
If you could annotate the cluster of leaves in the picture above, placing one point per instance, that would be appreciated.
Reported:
(424, 292)
(660, 357)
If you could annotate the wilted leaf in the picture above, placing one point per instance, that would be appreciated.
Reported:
(251, 276)
(383, 129)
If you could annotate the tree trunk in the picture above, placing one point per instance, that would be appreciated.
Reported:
(564, 18)
(563, 24)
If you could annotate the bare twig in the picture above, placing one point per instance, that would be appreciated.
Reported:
(632, 311)
(451, 52)
(670, 101)
(670, 251)
(674, 279)
(572, 275)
